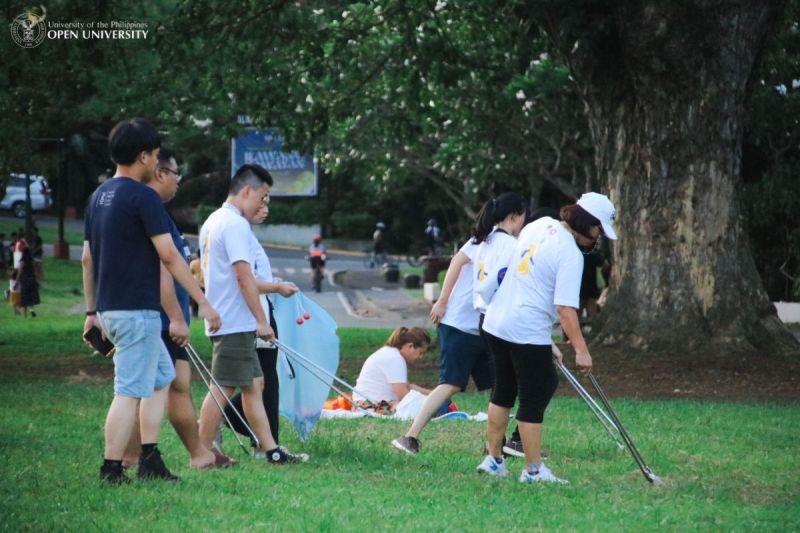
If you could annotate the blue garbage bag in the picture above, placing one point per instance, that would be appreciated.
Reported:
(304, 388)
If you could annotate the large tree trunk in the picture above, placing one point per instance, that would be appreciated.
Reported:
(664, 85)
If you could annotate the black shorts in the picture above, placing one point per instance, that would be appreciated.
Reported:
(317, 261)
(175, 351)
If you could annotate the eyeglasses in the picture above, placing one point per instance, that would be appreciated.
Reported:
(177, 174)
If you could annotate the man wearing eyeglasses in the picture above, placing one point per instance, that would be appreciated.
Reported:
(175, 318)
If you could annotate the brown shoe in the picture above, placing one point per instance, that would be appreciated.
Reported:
(410, 445)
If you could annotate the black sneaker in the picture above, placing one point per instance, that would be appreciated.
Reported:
(152, 467)
(513, 448)
(410, 445)
(113, 475)
(282, 456)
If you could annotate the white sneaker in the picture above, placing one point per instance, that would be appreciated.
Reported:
(490, 466)
(544, 474)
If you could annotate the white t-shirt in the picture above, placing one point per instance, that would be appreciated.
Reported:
(460, 313)
(380, 370)
(262, 271)
(493, 256)
(225, 239)
(544, 272)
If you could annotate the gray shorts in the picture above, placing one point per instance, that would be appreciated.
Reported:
(234, 361)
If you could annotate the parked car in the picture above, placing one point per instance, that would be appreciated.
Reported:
(14, 198)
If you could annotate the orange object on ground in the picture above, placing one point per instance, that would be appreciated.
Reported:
(339, 402)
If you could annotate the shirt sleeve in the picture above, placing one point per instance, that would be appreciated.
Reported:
(237, 244)
(470, 249)
(396, 370)
(153, 214)
(568, 281)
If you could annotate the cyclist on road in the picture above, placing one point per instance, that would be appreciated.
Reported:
(317, 254)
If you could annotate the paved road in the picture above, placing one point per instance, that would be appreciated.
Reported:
(369, 303)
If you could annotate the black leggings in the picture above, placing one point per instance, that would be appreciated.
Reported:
(524, 369)
(268, 358)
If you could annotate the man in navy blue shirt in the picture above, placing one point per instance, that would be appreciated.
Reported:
(127, 238)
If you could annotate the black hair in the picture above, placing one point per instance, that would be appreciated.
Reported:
(541, 212)
(130, 138)
(249, 174)
(496, 210)
(165, 155)
(579, 220)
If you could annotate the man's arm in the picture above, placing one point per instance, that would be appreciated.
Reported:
(174, 262)
(249, 290)
(89, 293)
(178, 329)
(568, 316)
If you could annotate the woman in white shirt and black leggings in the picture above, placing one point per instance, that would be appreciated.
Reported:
(543, 282)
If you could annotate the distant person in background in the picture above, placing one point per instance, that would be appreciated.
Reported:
(379, 243)
(433, 237)
(19, 246)
(37, 251)
(317, 255)
(3, 257)
(27, 283)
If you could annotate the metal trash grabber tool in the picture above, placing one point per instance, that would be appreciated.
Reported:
(648, 474)
(596, 410)
(305, 362)
(208, 379)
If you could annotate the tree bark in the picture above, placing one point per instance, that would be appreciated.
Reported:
(665, 86)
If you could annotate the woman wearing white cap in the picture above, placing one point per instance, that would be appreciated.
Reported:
(542, 283)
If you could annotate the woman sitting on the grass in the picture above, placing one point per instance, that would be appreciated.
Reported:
(384, 376)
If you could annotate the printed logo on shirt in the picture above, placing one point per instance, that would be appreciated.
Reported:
(527, 260)
(481, 271)
(501, 274)
(105, 198)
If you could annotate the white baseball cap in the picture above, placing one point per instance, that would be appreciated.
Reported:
(601, 208)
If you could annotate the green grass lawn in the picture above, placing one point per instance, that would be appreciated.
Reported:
(727, 467)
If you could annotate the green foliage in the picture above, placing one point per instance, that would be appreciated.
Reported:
(771, 157)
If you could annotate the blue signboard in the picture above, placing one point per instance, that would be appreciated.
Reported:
(295, 174)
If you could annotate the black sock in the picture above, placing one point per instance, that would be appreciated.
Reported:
(147, 449)
(112, 464)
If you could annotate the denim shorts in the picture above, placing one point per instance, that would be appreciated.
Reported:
(463, 355)
(141, 362)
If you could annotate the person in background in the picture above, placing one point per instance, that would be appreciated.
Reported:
(317, 255)
(433, 237)
(27, 283)
(384, 375)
